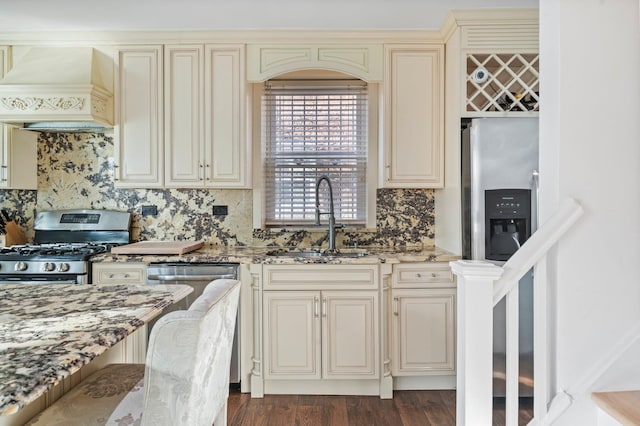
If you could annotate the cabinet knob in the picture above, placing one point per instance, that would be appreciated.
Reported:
(419, 275)
(433, 274)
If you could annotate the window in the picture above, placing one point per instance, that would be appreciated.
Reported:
(312, 129)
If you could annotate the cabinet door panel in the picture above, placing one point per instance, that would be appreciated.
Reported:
(227, 152)
(4, 130)
(18, 148)
(4, 156)
(292, 335)
(414, 139)
(350, 335)
(184, 109)
(424, 331)
(22, 159)
(138, 130)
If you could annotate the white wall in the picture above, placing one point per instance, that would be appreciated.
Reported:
(590, 150)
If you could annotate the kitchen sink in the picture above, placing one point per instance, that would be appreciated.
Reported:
(316, 254)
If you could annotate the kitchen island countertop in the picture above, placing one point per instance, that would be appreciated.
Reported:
(49, 331)
(257, 255)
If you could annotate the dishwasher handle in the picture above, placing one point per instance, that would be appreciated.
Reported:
(174, 277)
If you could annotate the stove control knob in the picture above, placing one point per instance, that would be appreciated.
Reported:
(48, 266)
(20, 266)
(63, 267)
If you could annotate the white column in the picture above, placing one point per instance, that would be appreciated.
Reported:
(474, 341)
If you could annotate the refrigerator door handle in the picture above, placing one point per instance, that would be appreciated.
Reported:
(536, 186)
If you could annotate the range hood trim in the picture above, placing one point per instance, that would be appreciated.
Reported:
(28, 104)
(67, 127)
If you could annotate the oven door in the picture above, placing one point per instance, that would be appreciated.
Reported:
(43, 279)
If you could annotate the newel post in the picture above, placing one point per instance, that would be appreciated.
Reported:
(474, 363)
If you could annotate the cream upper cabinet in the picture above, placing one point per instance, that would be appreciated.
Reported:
(184, 115)
(138, 130)
(423, 320)
(18, 148)
(227, 143)
(18, 158)
(205, 116)
(413, 142)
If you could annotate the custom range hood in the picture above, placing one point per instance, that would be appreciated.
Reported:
(58, 89)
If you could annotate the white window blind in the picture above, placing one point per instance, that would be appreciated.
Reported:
(313, 129)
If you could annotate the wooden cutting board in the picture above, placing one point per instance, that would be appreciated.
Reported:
(158, 247)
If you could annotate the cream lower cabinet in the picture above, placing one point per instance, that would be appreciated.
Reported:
(292, 334)
(314, 335)
(320, 330)
(423, 320)
(423, 331)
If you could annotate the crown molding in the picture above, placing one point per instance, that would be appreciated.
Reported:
(454, 20)
(76, 38)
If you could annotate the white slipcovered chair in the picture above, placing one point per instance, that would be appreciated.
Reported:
(184, 381)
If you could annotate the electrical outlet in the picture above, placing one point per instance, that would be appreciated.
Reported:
(220, 210)
(149, 210)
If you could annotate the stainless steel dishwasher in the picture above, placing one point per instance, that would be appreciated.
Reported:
(197, 275)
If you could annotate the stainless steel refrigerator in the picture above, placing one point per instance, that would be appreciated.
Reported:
(499, 201)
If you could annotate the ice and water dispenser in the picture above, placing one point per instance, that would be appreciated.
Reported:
(507, 221)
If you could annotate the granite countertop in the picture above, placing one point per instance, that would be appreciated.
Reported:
(241, 254)
(49, 331)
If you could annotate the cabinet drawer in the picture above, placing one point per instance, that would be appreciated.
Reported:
(423, 275)
(320, 277)
(120, 274)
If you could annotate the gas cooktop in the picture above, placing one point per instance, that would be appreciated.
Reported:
(53, 251)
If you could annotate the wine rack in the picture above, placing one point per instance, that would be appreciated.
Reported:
(499, 82)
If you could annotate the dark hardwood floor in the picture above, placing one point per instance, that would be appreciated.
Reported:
(407, 408)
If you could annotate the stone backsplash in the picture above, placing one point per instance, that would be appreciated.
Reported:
(75, 171)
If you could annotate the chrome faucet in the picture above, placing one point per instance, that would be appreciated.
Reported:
(332, 218)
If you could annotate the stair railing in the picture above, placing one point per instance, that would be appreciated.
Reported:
(481, 285)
